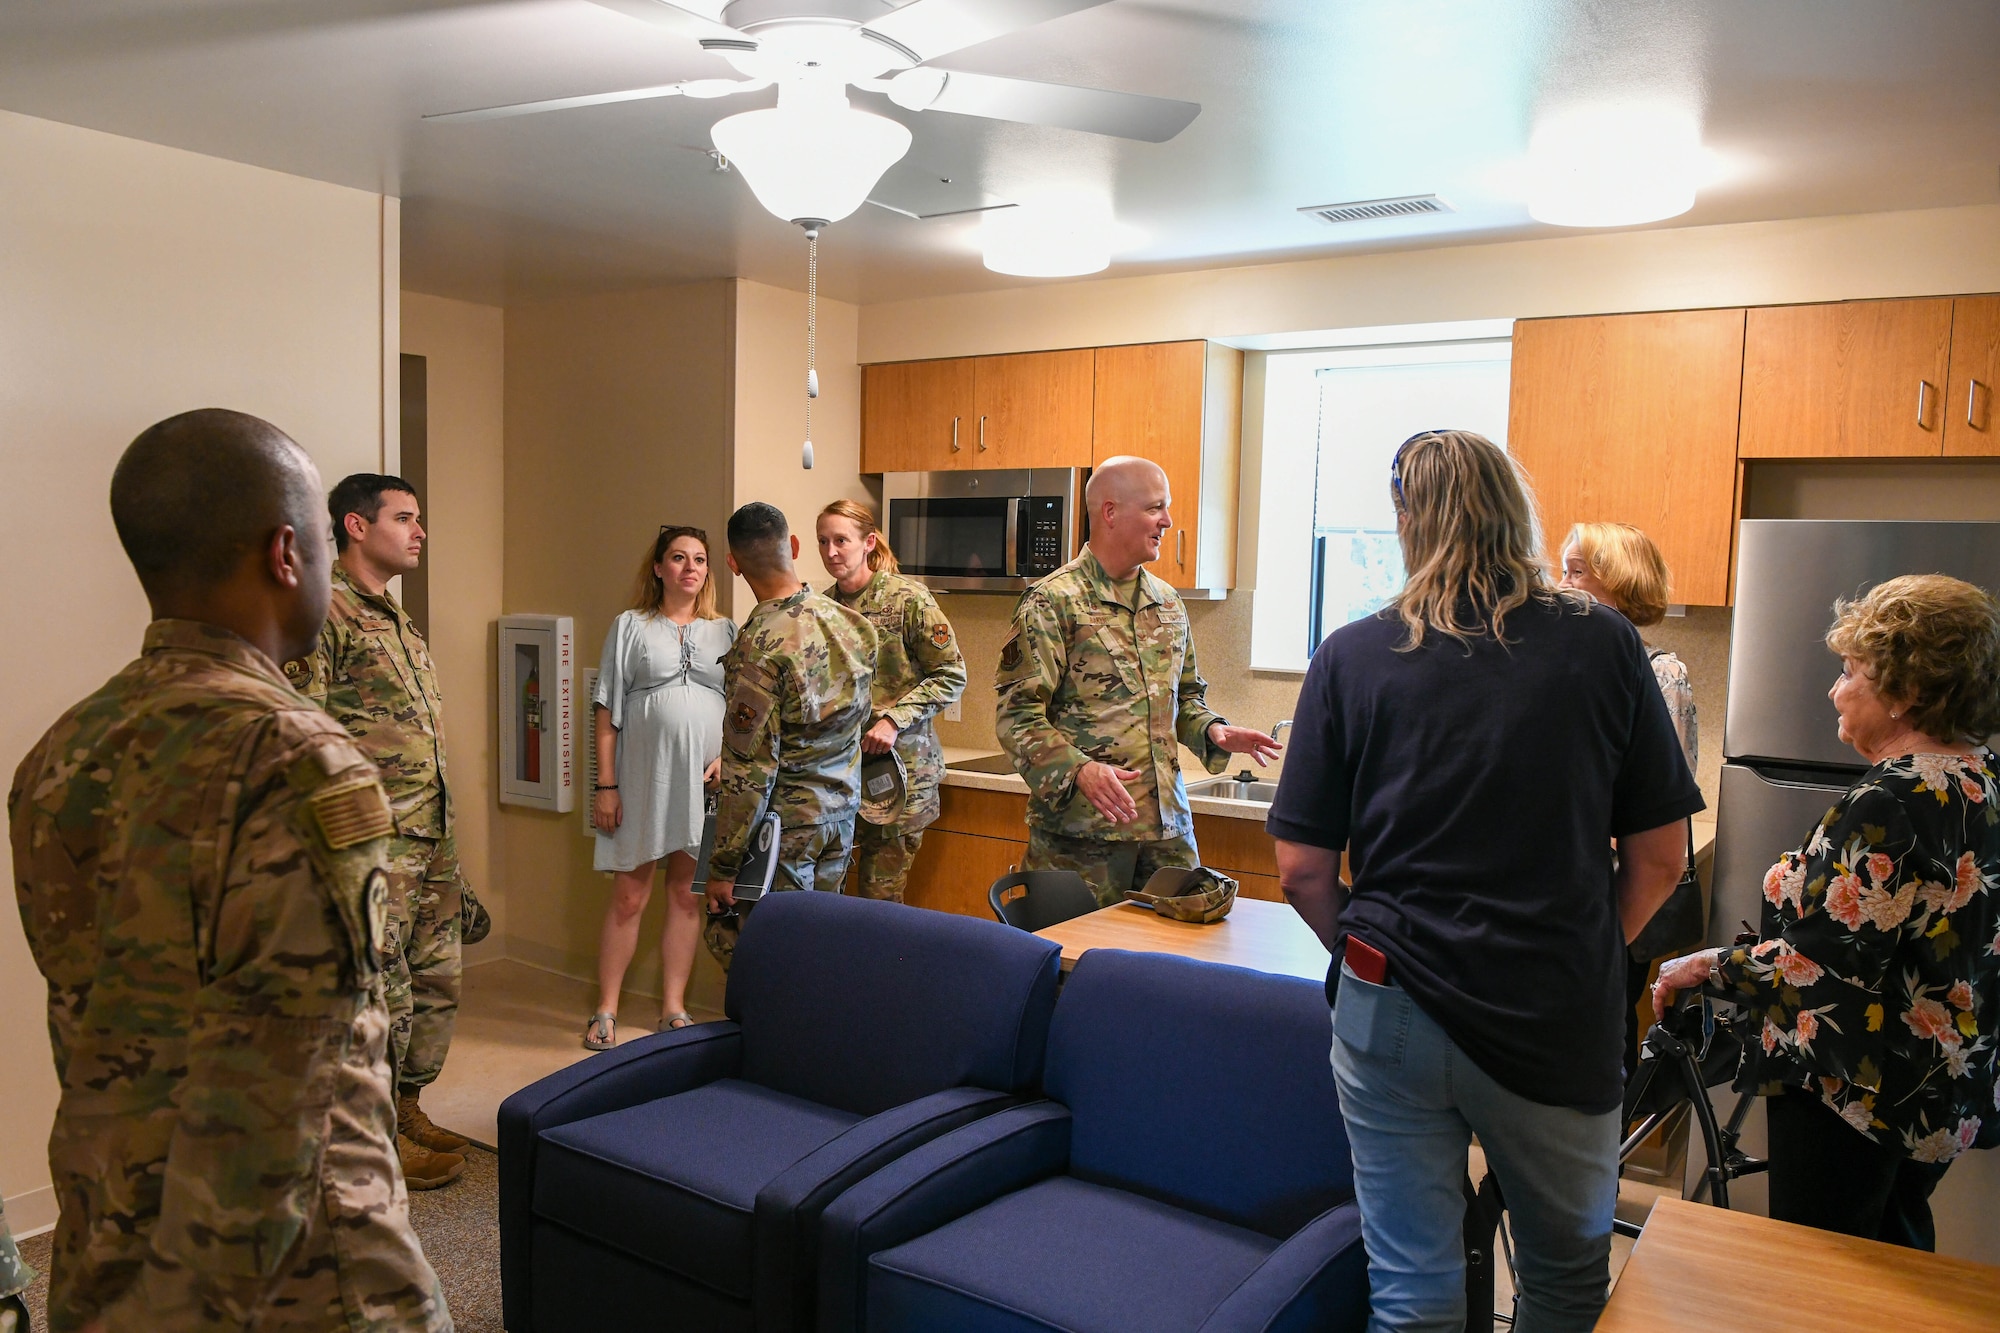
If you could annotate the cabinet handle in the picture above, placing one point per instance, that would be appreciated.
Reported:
(982, 435)
(1180, 547)
(1971, 399)
(1923, 403)
(954, 434)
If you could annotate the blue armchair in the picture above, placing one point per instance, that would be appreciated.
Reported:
(1191, 1173)
(677, 1182)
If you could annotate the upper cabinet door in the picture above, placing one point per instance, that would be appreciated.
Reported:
(1031, 410)
(1857, 379)
(1149, 403)
(916, 416)
(1632, 419)
(1971, 426)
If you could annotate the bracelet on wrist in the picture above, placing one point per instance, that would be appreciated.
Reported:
(612, 787)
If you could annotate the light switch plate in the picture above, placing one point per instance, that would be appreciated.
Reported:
(952, 712)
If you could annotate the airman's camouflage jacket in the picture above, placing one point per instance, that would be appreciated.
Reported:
(1084, 676)
(797, 689)
(373, 673)
(919, 671)
(198, 857)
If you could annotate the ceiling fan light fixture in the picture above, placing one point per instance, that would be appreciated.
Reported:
(1033, 242)
(811, 157)
(1614, 166)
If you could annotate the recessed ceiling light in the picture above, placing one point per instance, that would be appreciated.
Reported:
(1614, 166)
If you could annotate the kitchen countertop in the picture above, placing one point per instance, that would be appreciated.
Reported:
(1704, 823)
(1011, 782)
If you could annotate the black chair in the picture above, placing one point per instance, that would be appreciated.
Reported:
(1046, 898)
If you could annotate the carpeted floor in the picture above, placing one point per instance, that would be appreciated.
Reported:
(459, 1226)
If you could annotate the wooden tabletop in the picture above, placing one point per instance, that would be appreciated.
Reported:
(1698, 1269)
(1268, 937)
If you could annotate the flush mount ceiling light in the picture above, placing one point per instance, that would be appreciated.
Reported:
(812, 157)
(1614, 166)
(1047, 241)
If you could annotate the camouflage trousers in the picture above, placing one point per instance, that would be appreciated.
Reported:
(1109, 868)
(15, 1275)
(882, 857)
(422, 969)
(812, 857)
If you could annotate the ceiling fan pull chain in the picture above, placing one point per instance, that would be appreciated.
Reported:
(812, 339)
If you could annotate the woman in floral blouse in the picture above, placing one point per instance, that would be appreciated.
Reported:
(1870, 1015)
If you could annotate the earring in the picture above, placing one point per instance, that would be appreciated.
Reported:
(1893, 714)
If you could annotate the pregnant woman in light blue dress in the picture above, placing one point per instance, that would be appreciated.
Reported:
(658, 714)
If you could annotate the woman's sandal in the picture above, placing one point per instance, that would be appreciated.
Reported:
(674, 1022)
(601, 1033)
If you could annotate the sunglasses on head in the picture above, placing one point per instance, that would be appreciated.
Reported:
(1396, 463)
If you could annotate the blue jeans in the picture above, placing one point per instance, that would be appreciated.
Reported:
(1412, 1101)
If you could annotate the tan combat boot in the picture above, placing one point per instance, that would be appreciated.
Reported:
(424, 1169)
(414, 1125)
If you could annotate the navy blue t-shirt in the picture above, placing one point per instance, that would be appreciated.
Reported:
(1477, 793)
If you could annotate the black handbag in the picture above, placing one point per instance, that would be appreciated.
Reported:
(1678, 926)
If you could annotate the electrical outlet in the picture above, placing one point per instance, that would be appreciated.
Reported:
(952, 712)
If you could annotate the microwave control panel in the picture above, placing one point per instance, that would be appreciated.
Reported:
(1040, 535)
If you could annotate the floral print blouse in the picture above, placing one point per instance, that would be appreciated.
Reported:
(1881, 989)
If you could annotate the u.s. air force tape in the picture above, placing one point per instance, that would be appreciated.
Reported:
(351, 812)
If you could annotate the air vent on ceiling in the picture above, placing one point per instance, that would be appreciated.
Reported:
(1371, 210)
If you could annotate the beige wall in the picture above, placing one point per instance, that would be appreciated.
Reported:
(142, 281)
(770, 414)
(1809, 259)
(618, 419)
(464, 348)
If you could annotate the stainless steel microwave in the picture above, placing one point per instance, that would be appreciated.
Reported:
(994, 531)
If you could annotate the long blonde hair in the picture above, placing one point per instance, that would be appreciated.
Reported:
(1468, 531)
(1628, 564)
(858, 514)
(649, 591)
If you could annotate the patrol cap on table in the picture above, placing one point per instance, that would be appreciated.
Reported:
(1200, 895)
(884, 783)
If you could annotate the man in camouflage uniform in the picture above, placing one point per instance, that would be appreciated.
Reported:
(919, 672)
(373, 674)
(198, 855)
(797, 689)
(1097, 692)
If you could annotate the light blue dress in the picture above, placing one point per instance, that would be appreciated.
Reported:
(662, 685)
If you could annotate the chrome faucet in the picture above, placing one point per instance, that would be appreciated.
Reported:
(1279, 727)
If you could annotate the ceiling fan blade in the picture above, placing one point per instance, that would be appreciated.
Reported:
(1095, 110)
(925, 29)
(557, 104)
(662, 14)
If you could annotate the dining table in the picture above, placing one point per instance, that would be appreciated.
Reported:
(1263, 936)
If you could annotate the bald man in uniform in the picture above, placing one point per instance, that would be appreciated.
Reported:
(1098, 691)
(199, 860)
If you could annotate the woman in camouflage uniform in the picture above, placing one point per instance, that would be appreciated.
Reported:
(919, 671)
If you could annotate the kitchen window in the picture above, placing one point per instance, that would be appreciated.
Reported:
(1333, 417)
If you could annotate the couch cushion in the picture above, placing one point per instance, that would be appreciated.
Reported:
(1166, 1064)
(867, 1005)
(674, 1181)
(1064, 1254)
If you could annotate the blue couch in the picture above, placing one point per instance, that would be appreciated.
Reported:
(677, 1182)
(1190, 1173)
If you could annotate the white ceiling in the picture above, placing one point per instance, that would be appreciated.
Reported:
(1814, 106)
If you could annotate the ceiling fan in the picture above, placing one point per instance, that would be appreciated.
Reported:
(883, 47)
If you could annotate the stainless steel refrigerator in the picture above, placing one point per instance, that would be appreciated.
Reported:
(1783, 761)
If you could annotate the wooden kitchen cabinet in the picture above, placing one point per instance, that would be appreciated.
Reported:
(1031, 409)
(1179, 404)
(1633, 419)
(916, 416)
(1971, 426)
(1852, 379)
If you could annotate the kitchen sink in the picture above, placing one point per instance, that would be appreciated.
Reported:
(1231, 789)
